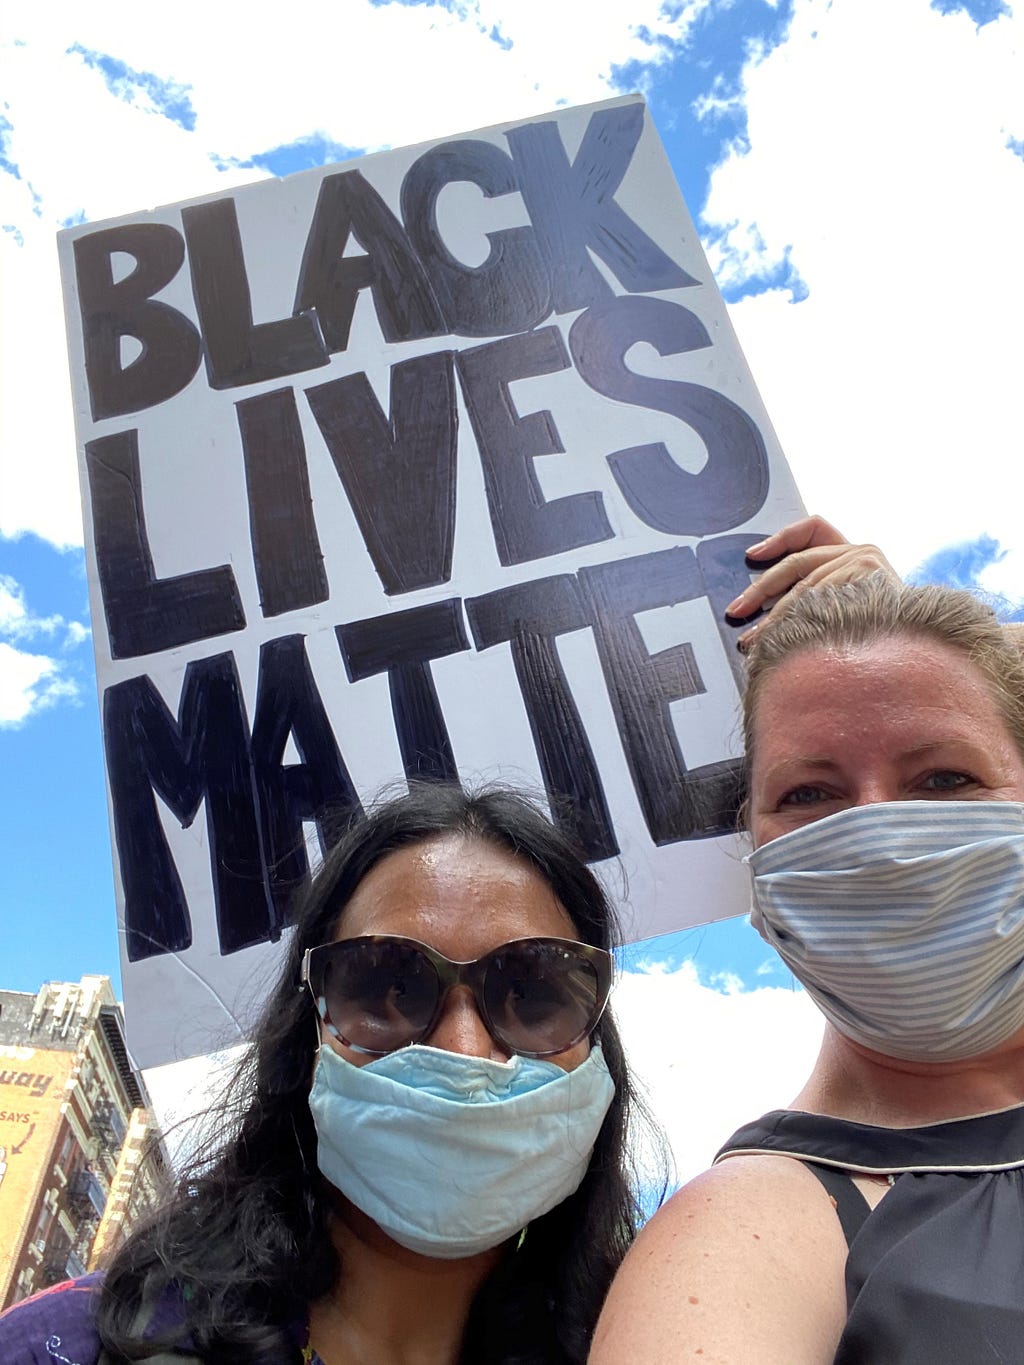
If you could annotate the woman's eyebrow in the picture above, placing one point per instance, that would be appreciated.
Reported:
(802, 765)
(949, 742)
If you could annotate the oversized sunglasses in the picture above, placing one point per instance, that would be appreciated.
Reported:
(536, 996)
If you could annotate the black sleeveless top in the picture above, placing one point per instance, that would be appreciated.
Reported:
(935, 1274)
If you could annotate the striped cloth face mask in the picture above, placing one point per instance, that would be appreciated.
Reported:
(904, 921)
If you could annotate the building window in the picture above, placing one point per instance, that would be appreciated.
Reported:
(43, 1225)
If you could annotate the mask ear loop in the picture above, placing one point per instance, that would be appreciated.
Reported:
(318, 1024)
(306, 989)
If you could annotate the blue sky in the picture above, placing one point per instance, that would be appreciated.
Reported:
(864, 233)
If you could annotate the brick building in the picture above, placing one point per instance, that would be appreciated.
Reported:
(79, 1159)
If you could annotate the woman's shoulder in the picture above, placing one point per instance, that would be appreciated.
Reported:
(746, 1261)
(54, 1327)
(763, 1195)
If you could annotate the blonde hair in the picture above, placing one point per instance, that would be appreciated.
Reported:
(880, 607)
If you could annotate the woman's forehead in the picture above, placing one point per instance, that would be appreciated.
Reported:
(908, 682)
(450, 889)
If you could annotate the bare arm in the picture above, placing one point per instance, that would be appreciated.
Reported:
(744, 1266)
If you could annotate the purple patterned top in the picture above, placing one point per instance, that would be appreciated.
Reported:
(52, 1328)
(56, 1327)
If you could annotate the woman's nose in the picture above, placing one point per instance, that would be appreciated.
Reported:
(873, 791)
(461, 1029)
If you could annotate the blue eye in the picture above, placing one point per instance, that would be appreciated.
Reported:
(803, 796)
(947, 780)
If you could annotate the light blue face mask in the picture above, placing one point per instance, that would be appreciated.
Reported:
(904, 921)
(452, 1155)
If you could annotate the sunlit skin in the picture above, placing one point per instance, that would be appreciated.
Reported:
(462, 897)
(755, 1240)
(903, 719)
(899, 720)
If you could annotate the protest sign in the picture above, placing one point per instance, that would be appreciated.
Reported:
(436, 463)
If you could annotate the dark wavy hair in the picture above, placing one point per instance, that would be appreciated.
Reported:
(243, 1247)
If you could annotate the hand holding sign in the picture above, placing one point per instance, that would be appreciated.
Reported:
(804, 554)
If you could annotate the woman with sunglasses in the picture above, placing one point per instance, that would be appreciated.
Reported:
(880, 1219)
(427, 1162)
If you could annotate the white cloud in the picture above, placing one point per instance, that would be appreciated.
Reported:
(77, 634)
(16, 621)
(183, 1094)
(361, 74)
(711, 1060)
(366, 75)
(878, 158)
(898, 205)
(1006, 576)
(31, 682)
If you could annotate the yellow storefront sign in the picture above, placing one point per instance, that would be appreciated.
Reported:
(32, 1085)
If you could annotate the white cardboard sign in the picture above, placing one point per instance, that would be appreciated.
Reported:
(437, 462)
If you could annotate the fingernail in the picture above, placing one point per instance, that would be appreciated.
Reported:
(733, 618)
(756, 549)
(733, 609)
